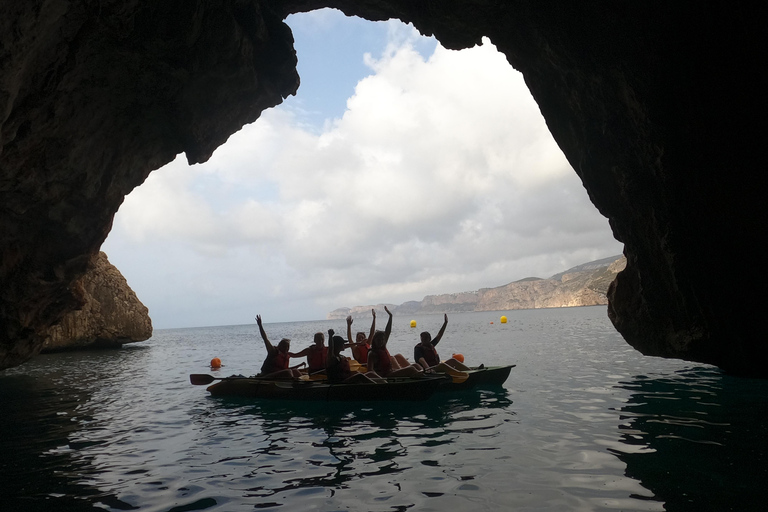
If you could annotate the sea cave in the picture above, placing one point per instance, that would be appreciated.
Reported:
(656, 105)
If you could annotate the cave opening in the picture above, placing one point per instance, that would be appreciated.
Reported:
(399, 169)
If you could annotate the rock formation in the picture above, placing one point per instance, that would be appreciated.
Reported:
(585, 285)
(92, 100)
(658, 106)
(111, 316)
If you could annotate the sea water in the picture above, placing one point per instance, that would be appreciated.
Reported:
(583, 423)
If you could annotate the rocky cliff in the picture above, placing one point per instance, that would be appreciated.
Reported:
(585, 285)
(111, 315)
(658, 106)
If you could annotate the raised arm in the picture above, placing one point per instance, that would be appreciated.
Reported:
(270, 347)
(373, 325)
(388, 329)
(442, 331)
(350, 342)
(349, 330)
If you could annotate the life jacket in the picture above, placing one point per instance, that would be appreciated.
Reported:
(316, 358)
(383, 363)
(338, 371)
(430, 355)
(363, 349)
(275, 362)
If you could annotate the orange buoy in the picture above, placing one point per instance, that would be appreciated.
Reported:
(491, 322)
(458, 357)
(215, 362)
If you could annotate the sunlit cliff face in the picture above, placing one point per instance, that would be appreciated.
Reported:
(654, 106)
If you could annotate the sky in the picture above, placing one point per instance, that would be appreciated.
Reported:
(399, 170)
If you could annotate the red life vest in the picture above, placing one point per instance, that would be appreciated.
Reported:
(275, 362)
(316, 358)
(363, 349)
(383, 363)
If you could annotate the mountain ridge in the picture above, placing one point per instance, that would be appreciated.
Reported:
(582, 285)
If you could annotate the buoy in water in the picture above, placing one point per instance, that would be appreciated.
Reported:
(503, 319)
(215, 362)
(413, 323)
(458, 357)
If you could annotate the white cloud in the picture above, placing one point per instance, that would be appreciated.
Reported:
(441, 176)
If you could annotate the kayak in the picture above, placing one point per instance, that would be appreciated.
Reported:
(393, 389)
(480, 376)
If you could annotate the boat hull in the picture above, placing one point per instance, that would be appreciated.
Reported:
(395, 389)
(480, 377)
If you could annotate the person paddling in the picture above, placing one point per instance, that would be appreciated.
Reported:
(275, 365)
(381, 362)
(425, 353)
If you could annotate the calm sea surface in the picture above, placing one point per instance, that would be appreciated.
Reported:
(583, 423)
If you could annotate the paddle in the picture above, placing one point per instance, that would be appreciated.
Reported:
(200, 379)
(457, 376)
(314, 376)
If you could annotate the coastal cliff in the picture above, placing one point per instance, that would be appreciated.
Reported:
(111, 315)
(584, 285)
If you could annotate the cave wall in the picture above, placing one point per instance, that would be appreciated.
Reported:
(656, 105)
(94, 96)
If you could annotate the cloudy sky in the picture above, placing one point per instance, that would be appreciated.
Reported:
(400, 169)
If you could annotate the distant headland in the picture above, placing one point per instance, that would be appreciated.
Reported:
(583, 285)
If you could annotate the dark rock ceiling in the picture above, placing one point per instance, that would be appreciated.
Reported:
(657, 106)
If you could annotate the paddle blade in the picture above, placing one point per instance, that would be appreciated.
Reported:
(458, 376)
(313, 377)
(199, 379)
(458, 379)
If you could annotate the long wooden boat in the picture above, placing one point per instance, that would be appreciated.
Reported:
(479, 377)
(393, 389)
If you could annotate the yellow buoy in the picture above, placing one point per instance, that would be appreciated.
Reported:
(413, 323)
(503, 319)
(215, 362)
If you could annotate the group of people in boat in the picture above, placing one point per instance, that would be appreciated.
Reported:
(370, 351)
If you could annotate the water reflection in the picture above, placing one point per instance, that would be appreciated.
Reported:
(43, 465)
(291, 447)
(697, 439)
